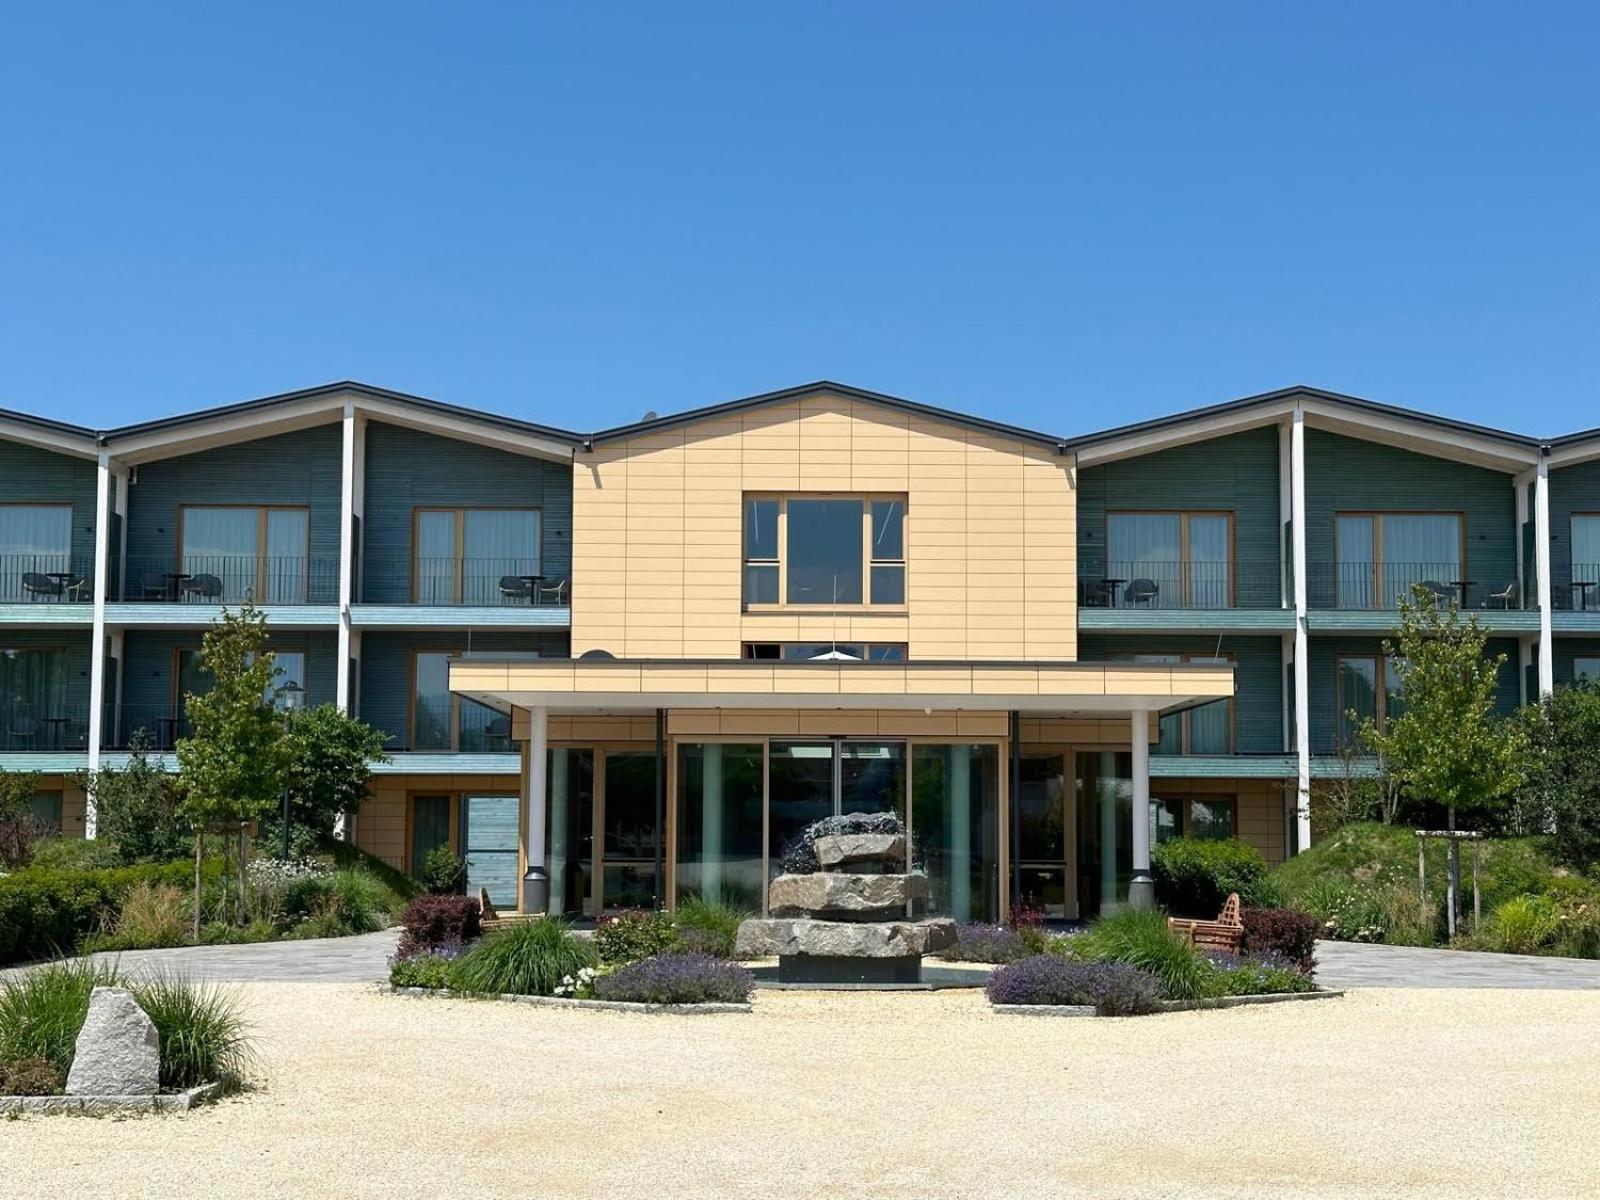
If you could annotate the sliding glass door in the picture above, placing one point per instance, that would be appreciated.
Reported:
(463, 554)
(36, 542)
(719, 822)
(237, 553)
(1382, 556)
(1170, 560)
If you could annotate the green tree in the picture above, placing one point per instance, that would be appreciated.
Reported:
(18, 827)
(1560, 798)
(1447, 744)
(331, 759)
(137, 808)
(235, 764)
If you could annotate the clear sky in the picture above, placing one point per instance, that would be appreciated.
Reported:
(1066, 216)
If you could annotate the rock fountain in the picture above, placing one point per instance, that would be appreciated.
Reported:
(847, 908)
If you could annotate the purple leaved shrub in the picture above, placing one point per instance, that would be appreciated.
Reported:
(677, 979)
(1113, 989)
(432, 922)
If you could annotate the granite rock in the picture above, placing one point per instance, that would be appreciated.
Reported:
(118, 1052)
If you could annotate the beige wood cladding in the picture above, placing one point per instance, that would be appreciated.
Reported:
(382, 824)
(990, 534)
(1259, 807)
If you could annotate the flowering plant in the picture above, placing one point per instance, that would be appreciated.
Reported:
(579, 986)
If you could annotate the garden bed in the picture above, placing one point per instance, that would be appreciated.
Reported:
(98, 1106)
(572, 1002)
(1164, 1006)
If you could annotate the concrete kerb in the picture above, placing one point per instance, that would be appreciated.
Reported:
(627, 1006)
(1167, 1006)
(100, 1106)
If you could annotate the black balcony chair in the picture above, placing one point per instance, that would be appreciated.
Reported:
(153, 585)
(1098, 593)
(497, 733)
(1142, 591)
(552, 593)
(1507, 597)
(202, 587)
(37, 585)
(515, 587)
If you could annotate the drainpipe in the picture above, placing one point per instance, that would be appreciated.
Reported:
(536, 879)
(1142, 887)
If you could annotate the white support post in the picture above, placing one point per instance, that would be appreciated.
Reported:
(1302, 637)
(97, 647)
(1541, 551)
(349, 509)
(535, 878)
(1141, 887)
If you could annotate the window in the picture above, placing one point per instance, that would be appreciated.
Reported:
(441, 720)
(33, 697)
(1209, 818)
(462, 554)
(253, 553)
(824, 550)
(1368, 688)
(1586, 550)
(45, 808)
(1207, 729)
(35, 539)
(1586, 668)
(826, 651)
(1187, 556)
(1379, 557)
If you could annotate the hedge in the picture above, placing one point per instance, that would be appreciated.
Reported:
(44, 911)
(1194, 876)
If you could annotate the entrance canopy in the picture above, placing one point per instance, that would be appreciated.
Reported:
(1058, 688)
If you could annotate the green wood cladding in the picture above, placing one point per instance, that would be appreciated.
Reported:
(1574, 489)
(29, 475)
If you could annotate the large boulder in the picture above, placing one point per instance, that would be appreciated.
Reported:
(845, 850)
(765, 937)
(835, 892)
(118, 1052)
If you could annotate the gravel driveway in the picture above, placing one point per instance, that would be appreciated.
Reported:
(1383, 1093)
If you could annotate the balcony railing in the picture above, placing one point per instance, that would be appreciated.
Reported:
(1142, 583)
(1374, 586)
(1580, 592)
(478, 729)
(26, 726)
(233, 579)
(450, 582)
(46, 579)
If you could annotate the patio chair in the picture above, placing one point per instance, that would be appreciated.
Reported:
(36, 584)
(498, 731)
(515, 587)
(1142, 591)
(154, 586)
(490, 918)
(202, 587)
(1507, 597)
(1225, 933)
(553, 593)
(22, 732)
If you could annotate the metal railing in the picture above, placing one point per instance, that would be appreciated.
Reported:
(1580, 591)
(1143, 583)
(233, 579)
(478, 729)
(161, 724)
(26, 726)
(1380, 586)
(450, 582)
(46, 579)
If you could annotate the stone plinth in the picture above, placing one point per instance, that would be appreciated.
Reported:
(782, 936)
(829, 892)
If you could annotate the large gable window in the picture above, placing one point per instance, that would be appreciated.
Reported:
(824, 550)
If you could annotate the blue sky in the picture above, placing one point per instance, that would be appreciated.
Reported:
(1065, 216)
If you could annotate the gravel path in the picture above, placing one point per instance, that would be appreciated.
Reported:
(1350, 965)
(1382, 1093)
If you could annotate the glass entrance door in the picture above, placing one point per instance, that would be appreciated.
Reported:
(569, 833)
(1104, 791)
(1042, 837)
(628, 831)
(808, 781)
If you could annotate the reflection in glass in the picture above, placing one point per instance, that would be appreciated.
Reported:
(824, 551)
(34, 539)
(955, 826)
(719, 822)
(569, 831)
(799, 791)
(1358, 695)
(1042, 834)
(431, 703)
(1166, 820)
(436, 557)
(628, 847)
(1104, 785)
(872, 777)
(1211, 819)
(430, 828)
(761, 551)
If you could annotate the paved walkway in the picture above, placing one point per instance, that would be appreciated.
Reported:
(1350, 965)
(364, 958)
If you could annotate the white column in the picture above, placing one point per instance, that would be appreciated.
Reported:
(1541, 552)
(1302, 649)
(536, 879)
(97, 647)
(961, 833)
(1141, 888)
(349, 509)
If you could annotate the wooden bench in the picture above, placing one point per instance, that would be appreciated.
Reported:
(1225, 933)
(490, 919)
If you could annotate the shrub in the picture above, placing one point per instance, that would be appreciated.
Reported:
(429, 970)
(1194, 875)
(1113, 989)
(343, 901)
(1253, 975)
(433, 921)
(204, 1036)
(528, 958)
(633, 934)
(708, 926)
(444, 872)
(1522, 925)
(1140, 938)
(800, 858)
(348, 854)
(1387, 913)
(74, 854)
(153, 915)
(224, 933)
(45, 911)
(1286, 932)
(677, 979)
(986, 944)
(33, 1076)
(42, 1010)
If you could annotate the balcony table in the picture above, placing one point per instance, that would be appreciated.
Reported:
(66, 579)
(1112, 586)
(1583, 586)
(533, 582)
(1463, 584)
(175, 581)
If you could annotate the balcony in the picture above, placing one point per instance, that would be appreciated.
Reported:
(1372, 587)
(232, 579)
(448, 592)
(46, 579)
(1142, 595)
(44, 727)
(1579, 592)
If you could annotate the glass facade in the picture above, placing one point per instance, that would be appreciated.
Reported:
(569, 831)
(1382, 556)
(1104, 793)
(628, 831)
(237, 553)
(719, 822)
(955, 828)
(35, 540)
(464, 553)
(1171, 559)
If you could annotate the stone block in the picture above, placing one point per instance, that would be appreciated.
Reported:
(763, 938)
(838, 892)
(118, 1052)
(859, 849)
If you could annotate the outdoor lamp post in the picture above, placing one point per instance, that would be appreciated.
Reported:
(293, 697)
